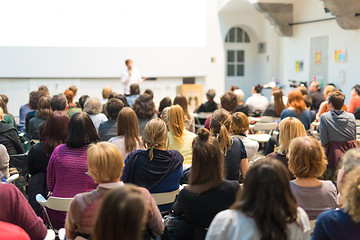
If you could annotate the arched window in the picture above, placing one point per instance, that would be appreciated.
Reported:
(237, 35)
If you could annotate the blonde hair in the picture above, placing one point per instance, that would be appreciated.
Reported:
(155, 136)
(239, 123)
(352, 194)
(289, 128)
(306, 157)
(328, 89)
(176, 122)
(105, 162)
(220, 125)
(1, 114)
(127, 126)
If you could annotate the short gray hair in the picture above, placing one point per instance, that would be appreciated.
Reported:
(211, 93)
(239, 94)
(92, 106)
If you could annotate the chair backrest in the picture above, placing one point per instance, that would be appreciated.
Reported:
(268, 119)
(264, 126)
(55, 203)
(165, 198)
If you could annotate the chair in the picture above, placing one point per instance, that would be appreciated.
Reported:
(165, 198)
(261, 126)
(54, 203)
(18, 161)
(200, 119)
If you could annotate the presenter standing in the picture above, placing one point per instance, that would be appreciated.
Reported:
(129, 76)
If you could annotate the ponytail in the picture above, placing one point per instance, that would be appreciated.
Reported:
(220, 125)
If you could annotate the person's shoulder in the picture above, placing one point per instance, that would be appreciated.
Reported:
(228, 184)
(8, 190)
(330, 216)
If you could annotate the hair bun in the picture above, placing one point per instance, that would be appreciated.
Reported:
(203, 134)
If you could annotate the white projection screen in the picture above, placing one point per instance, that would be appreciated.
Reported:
(88, 38)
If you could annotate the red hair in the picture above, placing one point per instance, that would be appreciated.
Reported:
(296, 100)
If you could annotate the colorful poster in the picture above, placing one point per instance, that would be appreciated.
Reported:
(299, 66)
(317, 57)
(340, 56)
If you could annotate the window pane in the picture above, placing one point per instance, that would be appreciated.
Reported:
(232, 35)
(240, 70)
(231, 56)
(231, 70)
(247, 38)
(239, 35)
(240, 56)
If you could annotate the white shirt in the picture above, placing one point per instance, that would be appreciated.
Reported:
(127, 81)
(257, 102)
(233, 224)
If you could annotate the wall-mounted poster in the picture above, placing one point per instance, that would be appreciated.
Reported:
(299, 66)
(317, 57)
(340, 56)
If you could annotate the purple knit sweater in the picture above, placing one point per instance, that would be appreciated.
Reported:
(66, 177)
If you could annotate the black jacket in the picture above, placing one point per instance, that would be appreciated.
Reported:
(10, 139)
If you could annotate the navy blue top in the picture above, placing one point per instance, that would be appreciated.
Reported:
(304, 116)
(233, 158)
(335, 224)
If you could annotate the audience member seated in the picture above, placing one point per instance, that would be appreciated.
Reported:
(128, 138)
(8, 118)
(289, 128)
(342, 223)
(296, 107)
(42, 114)
(9, 137)
(189, 118)
(145, 110)
(316, 96)
(241, 107)
(150, 93)
(357, 113)
(134, 94)
(156, 169)
(208, 192)
(355, 99)
(274, 109)
(239, 126)
(210, 105)
(326, 93)
(70, 98)
(236, 161)
(257, 103)
(165, 102)
(325, 108)
(79, 106)
(180, 139)
(93, 107)
(16, 210)
(34, 101)
(105, 165)
(23, 111)
(54, 134)
(11, 231)
(337, 131)
(59, 103)
(66, 171)
(107, 129)
(105, 94)
(115, 224)
(4, 161)
(228, 102)
(265, 209)
(307, 161)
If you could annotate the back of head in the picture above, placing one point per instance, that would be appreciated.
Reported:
(314, 87)
(123, 99)
(155, 136)
(239, 123)
(1, 114)
(69, 95)
(328, 90)
(336, 98)
(58, 102)
(278, 101)
(289, 128)
(182, 102)
(165, 115)
(211, 93)
(82, 100)
(258, 88)
(112, 95)
(4, 98)
(267, 198)
(113, 107)
(93, 106)
(105, 162)
(106, 92)
(240, 95)
(74, 89)
(43, 109)
(229, 101)
(150, 93)
(220, 126)
(303, 90)
(127, 126)
(34, 99)
(81, 131)
(352, 194)
(122, 215)
(165, 102)
(296, 100)
(3, 105)
(55, 132)
(134, 89)
(44, 89)
(306, 157)
(144, 107)
(357, 89)
(176, 121)
(207, 170)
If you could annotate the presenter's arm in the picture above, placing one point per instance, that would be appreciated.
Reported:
(125, 78)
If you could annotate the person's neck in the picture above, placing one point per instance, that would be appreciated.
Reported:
(307, 182)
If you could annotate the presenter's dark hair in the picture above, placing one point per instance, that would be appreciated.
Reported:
(81, 131)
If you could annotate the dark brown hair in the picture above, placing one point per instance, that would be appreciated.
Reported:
(144, 107)
(43, 109)
(239, 123)
(336, 98)
(182, 102)
(34, 99)
(122, 215)
(113, 107)
(165, 102)
(55, 131)
(207, 169)
(127, 126)
(266, 197)
(229, 101)
(81, 131)
(134, 89)
(278, 101)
